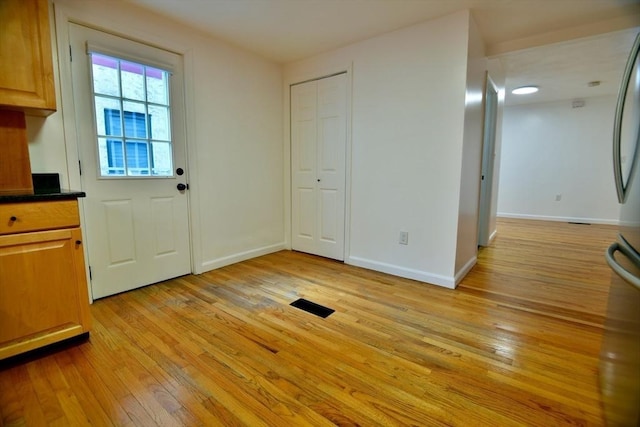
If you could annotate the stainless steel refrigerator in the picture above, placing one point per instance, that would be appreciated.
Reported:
(620, 353)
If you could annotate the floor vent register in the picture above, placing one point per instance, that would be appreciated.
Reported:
(312, 307)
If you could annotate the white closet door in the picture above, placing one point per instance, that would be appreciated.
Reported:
(318, 153)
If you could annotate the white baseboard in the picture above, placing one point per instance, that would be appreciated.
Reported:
(407, 273)
(493, 236)
(559, 218)
(242, 256)
(465, 269)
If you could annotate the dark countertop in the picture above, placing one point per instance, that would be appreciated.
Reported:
(42, 195)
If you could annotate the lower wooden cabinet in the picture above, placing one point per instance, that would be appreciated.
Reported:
(43, 288)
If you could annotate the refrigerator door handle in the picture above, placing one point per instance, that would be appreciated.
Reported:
(617, 167)
(621, 187)
(617, 160)
(633, 280)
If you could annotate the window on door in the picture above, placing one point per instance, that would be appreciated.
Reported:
(132, 113)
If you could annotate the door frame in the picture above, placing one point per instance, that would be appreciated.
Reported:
(297, 78)
(487, 166)
(63, 17)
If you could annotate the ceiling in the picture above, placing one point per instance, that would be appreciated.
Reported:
(563, 70)
(288, 30)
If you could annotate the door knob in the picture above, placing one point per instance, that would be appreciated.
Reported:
(182, 187)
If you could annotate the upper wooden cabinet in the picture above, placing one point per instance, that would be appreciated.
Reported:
(26, 65)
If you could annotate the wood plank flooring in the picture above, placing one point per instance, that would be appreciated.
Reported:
(515, 344)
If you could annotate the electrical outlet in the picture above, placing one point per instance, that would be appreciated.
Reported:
(404, 238)
(558, 197)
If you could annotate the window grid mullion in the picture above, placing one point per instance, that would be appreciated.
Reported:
(122, 122)
(147, 120)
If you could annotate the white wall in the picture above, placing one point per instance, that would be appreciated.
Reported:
(408, 111)
(551, 149)
(467, 236)
(234, 131)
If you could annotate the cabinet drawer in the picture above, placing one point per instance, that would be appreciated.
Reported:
(33, 216)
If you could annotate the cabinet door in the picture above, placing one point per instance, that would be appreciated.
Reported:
(26, 66)
(43, 291)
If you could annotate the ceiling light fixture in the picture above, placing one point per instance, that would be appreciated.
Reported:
(525, 90)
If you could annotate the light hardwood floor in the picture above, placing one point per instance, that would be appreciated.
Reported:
(515, 344)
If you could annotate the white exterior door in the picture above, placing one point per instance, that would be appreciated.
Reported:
(130, 125)
(318, 164)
